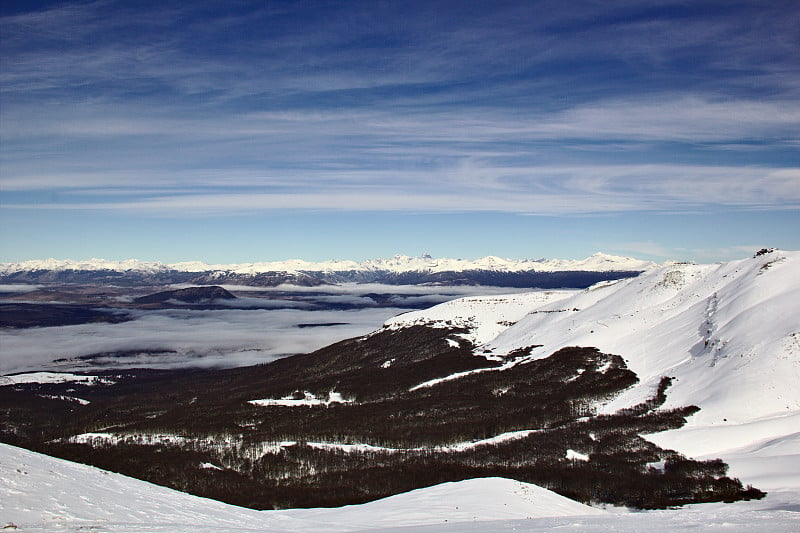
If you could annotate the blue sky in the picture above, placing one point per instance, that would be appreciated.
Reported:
(247, 131)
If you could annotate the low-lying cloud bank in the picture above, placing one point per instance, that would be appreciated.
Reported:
(175, 338)
(267, 328)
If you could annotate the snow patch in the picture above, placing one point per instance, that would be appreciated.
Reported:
(98, 439)
(65, 398)
(457, 375)
(278, 447)
(308, 400)
(572, 455)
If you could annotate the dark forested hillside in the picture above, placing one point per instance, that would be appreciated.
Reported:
(361, 419)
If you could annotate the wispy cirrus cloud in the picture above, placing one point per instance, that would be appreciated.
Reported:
(436, 107)
(668, 118)
(527, 190)
(371, 160)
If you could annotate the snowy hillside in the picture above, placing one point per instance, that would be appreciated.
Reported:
(40, 493)
(398, 264)
(484, 316)
(728, 333)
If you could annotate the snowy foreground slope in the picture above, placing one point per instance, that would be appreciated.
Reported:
(40, 493)
(729, 335)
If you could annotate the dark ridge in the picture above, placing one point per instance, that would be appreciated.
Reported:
(322, 325)
(25, 315)
(189, 295)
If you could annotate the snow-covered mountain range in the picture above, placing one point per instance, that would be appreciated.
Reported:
(598, 262)
(398, 270)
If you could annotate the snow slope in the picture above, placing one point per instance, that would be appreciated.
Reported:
(484, 316)
(598, 262)
(41, 493)
(728, 333)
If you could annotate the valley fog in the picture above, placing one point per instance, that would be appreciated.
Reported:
(259, 326)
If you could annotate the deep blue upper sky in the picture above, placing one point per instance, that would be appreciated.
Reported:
(244, 131)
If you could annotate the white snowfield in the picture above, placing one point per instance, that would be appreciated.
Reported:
(598, 262)
(729, 335)
(484, 316)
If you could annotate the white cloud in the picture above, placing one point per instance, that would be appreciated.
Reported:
(530, 190)
(181, 338)
(232, 337)
(380, 288)
(688, 118)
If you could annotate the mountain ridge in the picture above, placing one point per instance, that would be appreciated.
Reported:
(598, 262)
(726, 332)
(398, 270)
(187, 295)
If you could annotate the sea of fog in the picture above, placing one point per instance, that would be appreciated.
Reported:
(266, 323)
